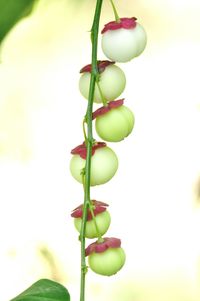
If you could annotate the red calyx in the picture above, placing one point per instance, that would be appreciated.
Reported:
(99, 207)
(127, 23)
(81, 149)
(109, 242)
(101, 65)
(111, 105)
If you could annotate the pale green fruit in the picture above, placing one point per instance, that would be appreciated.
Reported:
(122, 45)
(115, 125)
(108, 262)
(112, 83)
(103, 220)
(129, 117)
(104, 164)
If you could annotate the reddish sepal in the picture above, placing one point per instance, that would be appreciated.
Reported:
(127, 23)
(111, 105)
(100, 64)
(99, 207)
(81, 149)
(109, 242)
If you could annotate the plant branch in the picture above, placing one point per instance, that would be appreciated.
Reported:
(117, 18)
(84, 132)
(94, 74)
(100, 239)
(104, 101)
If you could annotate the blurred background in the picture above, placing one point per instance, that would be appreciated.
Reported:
(154, 197)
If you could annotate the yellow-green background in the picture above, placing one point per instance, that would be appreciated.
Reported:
(154, 196)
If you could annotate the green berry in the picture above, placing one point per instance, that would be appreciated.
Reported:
(107, 263)
(115, 125)
(112, 82)
(123, 44)
(103, 222)
(104, 164)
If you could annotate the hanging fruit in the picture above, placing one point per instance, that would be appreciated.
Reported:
(109, 85)
(98, 219)
(106, 258)
(123, 40)
(114, 122)
(104, 163)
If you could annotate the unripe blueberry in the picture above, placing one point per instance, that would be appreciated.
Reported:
(102, 218)
(106, 258)
(114, 122)
(123, 41)
(112, 81)
(104, 163)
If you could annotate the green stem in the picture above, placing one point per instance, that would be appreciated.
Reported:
(90, 206)
(84, 132)
(94, 73)
(117, 18)
(101, 94)
(100, 239)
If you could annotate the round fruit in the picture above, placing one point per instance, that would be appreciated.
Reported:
(102, 218)
(104, 164)
(106, 260)
(115, 124)
(107, 263)
(123, 41)
(112, 81)
(103, 222)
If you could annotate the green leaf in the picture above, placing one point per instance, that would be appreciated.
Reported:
(44, 290)
(12, 11)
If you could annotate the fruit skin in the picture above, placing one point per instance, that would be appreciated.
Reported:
(122, 45)
(104, 164)
(115, 125)
(108, 262)
(103, 222)
(112, 83)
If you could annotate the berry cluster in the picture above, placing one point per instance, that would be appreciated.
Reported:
(122, 40)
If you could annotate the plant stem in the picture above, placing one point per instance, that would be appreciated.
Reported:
(94, 74)
(104, 101)
(117, 18)
(100, 239)
(84, 132)
(90, 206)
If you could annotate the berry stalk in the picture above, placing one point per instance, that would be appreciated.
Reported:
(89, 141)
(117, 18)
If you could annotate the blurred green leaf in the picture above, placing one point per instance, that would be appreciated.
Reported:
(12, 11)
(44, 290)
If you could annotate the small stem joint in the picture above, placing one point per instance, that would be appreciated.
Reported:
(84, 269)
